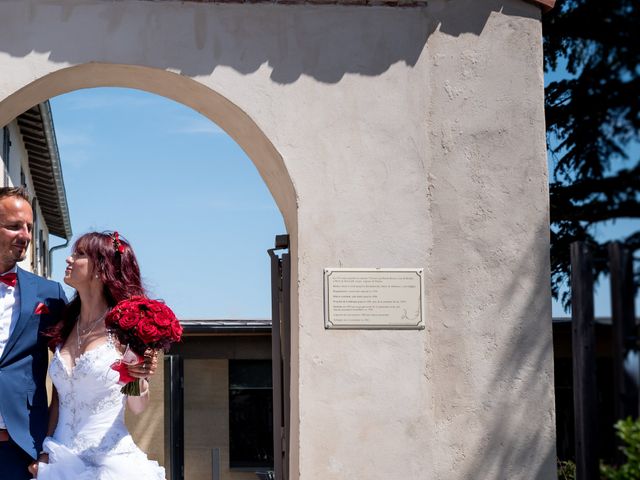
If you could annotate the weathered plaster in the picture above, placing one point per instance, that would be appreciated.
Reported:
(388, 137)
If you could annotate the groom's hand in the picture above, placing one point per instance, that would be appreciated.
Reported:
(33, 466)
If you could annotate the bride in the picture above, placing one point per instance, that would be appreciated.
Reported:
(88, 438)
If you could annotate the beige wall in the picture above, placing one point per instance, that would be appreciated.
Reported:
(389, 137)
(147, 428)
(206, 419)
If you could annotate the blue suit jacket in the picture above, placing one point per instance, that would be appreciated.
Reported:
(23, 364)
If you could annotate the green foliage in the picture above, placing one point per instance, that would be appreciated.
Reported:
(566, 470)
(593, 124)
(629, 432)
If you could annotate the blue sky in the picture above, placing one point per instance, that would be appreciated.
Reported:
(189, 200)
(612, 230)
(191, 203)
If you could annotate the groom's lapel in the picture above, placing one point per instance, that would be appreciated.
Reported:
(28, 290)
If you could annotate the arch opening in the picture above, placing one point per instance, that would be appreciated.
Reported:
(188, 92)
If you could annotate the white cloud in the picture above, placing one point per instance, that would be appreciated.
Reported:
(73, 139)
(196, 126)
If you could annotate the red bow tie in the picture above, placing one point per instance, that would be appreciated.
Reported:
(9, 278)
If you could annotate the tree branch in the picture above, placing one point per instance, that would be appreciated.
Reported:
(596, 211)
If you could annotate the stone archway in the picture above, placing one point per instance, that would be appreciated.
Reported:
(181, 89)
(176, 87)
(389, 137)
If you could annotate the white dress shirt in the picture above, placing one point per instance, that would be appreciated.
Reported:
(9, 314)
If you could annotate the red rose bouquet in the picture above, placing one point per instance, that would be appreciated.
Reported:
(141, 324)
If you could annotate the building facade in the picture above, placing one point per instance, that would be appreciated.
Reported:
(30, 158)
(223, 427)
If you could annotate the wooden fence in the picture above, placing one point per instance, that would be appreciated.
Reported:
(625, 341)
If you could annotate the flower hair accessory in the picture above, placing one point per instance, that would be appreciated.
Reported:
(117, 244)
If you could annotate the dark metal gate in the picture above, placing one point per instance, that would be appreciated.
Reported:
(174, 406)
(280, 353)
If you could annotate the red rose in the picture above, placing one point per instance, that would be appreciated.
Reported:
(158, 308)
(176, 331)
(164, 331)
(127, 321)
(162, 320)
(148, 332)
(141, 322)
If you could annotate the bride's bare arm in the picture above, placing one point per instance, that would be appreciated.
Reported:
(138, 404)
(142, 371)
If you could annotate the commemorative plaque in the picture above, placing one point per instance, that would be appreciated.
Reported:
(373, 298)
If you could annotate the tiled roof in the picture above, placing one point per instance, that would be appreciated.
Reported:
(209, 326)
(38, 134)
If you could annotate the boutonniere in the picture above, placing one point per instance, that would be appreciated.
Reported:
(41, 308)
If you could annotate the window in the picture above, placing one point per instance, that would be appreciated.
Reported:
(250, 414)
(6, 144)
(35, 239)
(44, 264)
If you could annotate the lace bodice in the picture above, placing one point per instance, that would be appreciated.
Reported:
(91, 413)
(91, 441)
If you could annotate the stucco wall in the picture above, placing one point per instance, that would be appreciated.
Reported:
(490, 334)
(389, 137)
(19, 162)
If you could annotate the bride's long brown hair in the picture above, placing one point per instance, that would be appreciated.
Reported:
(115, 264)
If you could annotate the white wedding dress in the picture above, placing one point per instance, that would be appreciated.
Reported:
(91, 441)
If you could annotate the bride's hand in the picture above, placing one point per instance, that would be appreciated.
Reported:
(33, 467)
(147, 367)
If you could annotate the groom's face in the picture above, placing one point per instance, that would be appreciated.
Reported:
(16, 223)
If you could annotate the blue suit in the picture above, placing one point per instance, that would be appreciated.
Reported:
(23, 368)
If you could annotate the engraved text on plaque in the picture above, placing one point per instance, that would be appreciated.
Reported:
(378, 298)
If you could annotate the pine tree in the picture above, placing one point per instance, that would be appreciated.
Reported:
(593, 125)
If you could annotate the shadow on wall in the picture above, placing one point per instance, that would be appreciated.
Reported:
(505, 401)
(529, 360)
(195, 39)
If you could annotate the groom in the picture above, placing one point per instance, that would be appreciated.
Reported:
(28, 305)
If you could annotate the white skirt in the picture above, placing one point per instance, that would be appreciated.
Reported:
(65, 464)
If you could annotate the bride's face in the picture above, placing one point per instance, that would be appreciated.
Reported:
(79, 272)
